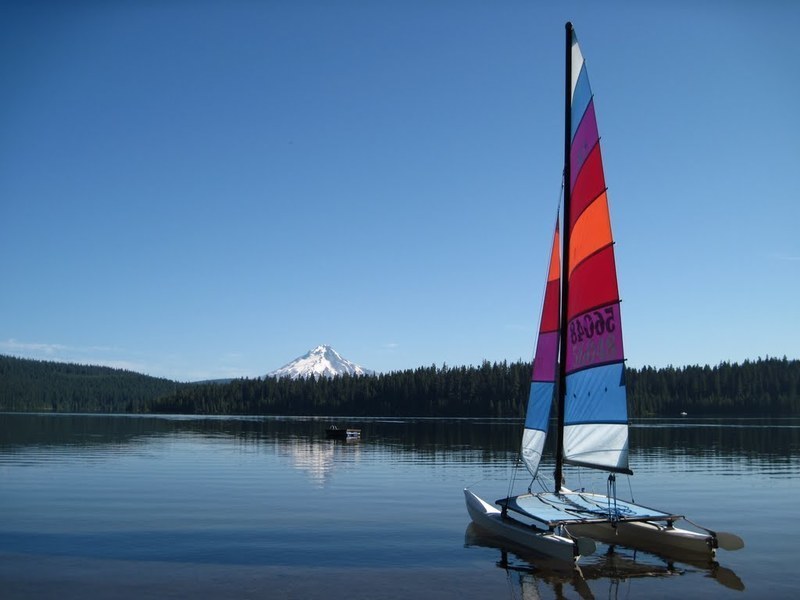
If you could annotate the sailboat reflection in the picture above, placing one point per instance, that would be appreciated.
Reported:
(614, 564)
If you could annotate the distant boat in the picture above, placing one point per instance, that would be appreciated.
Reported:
(335, 433)
(579, 358)
(684, 413)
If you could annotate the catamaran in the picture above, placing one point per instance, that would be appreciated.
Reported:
(579, 359)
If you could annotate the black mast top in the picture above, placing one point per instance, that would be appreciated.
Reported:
(562, 356)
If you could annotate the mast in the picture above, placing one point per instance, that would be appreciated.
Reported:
(562, 361)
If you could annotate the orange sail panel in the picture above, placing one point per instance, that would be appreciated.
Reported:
(591, 232)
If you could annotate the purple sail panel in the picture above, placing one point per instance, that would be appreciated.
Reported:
(585, 139)
(544, 365)
(594, 338)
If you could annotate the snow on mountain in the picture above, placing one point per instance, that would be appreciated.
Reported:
(322, 361)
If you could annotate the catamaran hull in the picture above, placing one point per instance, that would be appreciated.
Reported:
(545, 542)
(653, 537)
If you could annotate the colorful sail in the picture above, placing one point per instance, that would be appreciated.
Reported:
(596, 415)
(543, 377)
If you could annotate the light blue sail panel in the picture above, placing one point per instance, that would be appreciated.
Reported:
(581, 97)
(539, 402)
(596, 395)
(596, 419)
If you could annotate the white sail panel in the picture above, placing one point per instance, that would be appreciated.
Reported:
(577, 63)
(597, 445)
(532, 445)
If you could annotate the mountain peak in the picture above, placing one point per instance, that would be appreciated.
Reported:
(322, 361)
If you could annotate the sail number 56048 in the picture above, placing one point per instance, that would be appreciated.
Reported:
(591, 324)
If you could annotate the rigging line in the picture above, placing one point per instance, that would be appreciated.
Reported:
(540, 480)
(512, 480)
(711, 531)
(611, 495)
(578, 511)
(630, 489)
(620, 511)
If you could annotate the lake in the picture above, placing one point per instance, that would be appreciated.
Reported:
(203, 507)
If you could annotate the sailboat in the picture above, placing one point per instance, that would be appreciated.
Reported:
(579, 360)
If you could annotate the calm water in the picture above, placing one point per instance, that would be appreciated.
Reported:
(132, 507)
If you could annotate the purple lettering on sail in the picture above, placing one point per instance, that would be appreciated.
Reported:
(594, 338)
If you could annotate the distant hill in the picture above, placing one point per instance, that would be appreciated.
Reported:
(35, 385)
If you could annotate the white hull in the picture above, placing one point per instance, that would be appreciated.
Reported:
(540, 540)
(653, 537)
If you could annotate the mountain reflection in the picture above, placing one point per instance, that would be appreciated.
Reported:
(318, 458)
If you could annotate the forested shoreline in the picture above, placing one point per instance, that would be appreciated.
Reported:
(763, 387)
(46, 386)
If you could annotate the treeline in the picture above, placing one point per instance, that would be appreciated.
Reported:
(491, 390)
(764, 387)
(754, 388)
(44, 386)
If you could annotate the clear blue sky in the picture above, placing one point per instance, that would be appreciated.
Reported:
(198, 189)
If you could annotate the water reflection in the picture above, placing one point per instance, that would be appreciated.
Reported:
(271, 491)
(317, 458)
(759, 438)
(769, 445)
(773, 438)
(532, 572)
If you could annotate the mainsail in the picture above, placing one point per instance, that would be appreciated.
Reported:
(543, 377)
(595, 411)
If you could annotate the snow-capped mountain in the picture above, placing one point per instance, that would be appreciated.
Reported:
(322, 361)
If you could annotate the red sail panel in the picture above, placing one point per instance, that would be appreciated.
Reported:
(552, 294)
(593, 283)
(589, 184)
(544, 363)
